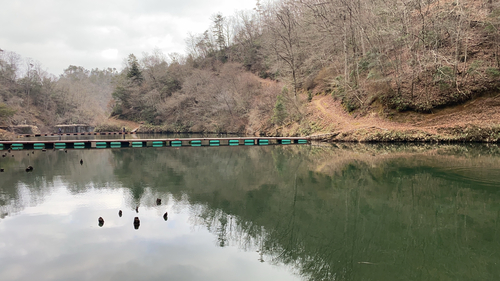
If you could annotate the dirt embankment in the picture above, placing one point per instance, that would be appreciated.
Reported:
(474, 121)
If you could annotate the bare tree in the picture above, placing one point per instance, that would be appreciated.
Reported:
(285, 41)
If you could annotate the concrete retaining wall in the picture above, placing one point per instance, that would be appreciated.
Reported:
(74, 128)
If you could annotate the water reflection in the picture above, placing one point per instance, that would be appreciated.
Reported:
(348, 212)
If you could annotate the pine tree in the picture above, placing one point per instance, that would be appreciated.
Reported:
(134, 72)
(279, 111)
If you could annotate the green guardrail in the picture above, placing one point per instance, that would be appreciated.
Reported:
(137, 144)
(39, 145)
(78, 145)
(115, 144)
(157, 144)
(176, 143)
(249, 142)
(101, 145)
(286, 141)
(302, 141)
(263, 142)
(16, 146)
(234, 142)
(214, 142)
(1, 146)
(196, 143)
(60, 145)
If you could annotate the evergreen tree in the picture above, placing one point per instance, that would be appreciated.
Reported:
(218, 31)
(279, 111)
(134, 73)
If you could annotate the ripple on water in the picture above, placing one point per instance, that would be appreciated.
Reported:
(475, 176)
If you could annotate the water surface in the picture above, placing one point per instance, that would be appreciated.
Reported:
(344, 212)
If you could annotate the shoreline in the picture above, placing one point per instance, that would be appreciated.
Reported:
(468, 133)
(454, 134)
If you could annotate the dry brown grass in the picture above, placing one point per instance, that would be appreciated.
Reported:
(479, 117)
(6, 136)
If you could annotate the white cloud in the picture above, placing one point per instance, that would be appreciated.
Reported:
(110, 54)
(59, 33)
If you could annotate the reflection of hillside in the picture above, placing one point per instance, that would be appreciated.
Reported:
(366, 215)
(348, 212)
(475, 164)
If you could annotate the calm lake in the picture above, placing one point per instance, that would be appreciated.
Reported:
(299, 212)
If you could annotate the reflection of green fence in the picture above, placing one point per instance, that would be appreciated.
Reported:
(234, 142)
(39, 145)
(263, 142)
(214, 142)
(176, 143)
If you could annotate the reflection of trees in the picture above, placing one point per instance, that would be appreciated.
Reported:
(50, 167)
(409, 227)
(398, 219)
(354, 212)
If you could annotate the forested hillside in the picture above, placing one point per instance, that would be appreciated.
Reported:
(31, 96)
(403, 55)
(256, 71)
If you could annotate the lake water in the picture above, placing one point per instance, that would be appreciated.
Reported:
(301, 212)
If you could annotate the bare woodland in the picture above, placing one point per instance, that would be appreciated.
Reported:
(255, 70)
(32, 96)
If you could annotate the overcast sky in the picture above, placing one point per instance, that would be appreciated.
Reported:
(92, 33)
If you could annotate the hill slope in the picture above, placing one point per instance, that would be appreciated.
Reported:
(476, 120)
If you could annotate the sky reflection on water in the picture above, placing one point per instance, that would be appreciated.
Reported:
(341, 212)
(59, 239)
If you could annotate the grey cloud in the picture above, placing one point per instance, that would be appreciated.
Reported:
(58, 33)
